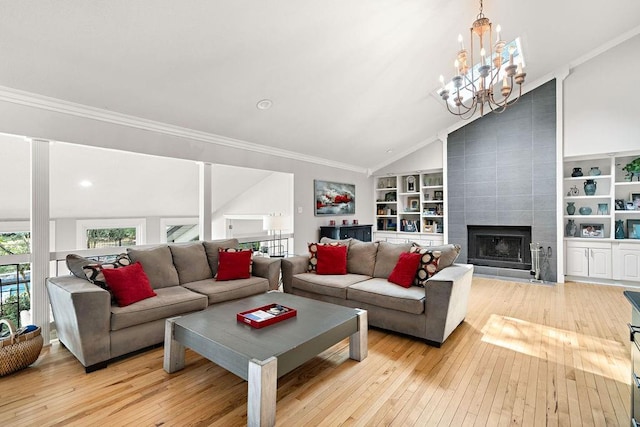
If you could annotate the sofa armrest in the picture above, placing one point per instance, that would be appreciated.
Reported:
(82, 314)
(269, 268)
(447, 297)
(292, 266)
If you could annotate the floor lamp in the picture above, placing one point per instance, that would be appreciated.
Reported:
(276, 224)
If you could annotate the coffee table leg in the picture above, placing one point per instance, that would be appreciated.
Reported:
(173, 350)
(263, 387)
(358, 342)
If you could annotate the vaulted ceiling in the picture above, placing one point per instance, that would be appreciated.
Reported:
(349, 79)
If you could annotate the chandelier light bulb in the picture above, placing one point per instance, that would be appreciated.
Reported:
(498, 29)
(460, 41)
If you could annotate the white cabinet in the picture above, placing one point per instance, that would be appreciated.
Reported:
(588, 259)
(627, 262)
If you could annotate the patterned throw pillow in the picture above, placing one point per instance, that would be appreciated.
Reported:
(313, 254)
(93, 270)
(428, 264)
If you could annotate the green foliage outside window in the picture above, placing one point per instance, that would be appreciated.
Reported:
(104, 237)
(15, 244)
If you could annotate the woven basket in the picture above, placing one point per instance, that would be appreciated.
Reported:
(18, 351)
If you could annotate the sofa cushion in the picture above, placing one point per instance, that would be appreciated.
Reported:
(129, 284)
(346, 242)
(331, 285)
(76, 265)
(234, 264)
(381, 293)
(404, 273)
(157, 262)
(191, 262)
(169, 302)
(428, 264)
(212, 248)
(361, 258)
(387, 257)
(449, 254)
(331, 259)
(313, 253)
(217, 291)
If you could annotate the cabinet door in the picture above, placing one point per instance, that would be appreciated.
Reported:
(600, 263)
(629, 262)
(577, 261)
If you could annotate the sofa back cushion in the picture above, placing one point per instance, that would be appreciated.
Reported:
(361, 258)
(157, 263)
(211, 247)
(387, 257)
(191, 262)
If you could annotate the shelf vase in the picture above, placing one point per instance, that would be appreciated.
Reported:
(595, 171)
(571, 230)
(603, 208)
(576, 172)
(571, 208)
(619, 229)
(590, 187)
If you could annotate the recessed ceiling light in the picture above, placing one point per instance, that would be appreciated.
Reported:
(390, 150)
(86, 183)
(264, 104)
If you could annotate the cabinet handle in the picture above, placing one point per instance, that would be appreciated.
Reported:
(632, 330)
(586, 253)
(636, 380)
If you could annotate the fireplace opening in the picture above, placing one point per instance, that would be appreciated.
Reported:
(499, 246)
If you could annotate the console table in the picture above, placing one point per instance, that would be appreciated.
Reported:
(339, 232)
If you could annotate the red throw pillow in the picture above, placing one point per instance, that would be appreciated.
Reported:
(128, 284)
(405, 270)
(332, 259)
(234, 265)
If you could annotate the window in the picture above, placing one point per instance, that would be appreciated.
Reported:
(175, 230)
(110, 232)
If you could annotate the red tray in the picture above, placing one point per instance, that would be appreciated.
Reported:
(259, 317)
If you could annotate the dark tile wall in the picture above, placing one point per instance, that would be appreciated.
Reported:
(502, 171)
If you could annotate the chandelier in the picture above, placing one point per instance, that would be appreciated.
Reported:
(476, 82)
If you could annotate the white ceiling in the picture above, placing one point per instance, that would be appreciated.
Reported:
(349, 79)
(123, 184)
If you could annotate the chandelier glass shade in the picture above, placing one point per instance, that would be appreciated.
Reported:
(486, 74)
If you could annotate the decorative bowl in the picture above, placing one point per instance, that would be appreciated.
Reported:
(585, 210)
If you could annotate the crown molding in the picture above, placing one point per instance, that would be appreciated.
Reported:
(16, 96)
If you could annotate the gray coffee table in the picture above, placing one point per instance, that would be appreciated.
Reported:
(261, 356)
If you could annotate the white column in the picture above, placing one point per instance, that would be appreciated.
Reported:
(442, 136)
(40, 234)
(560, 76)
(205, 201)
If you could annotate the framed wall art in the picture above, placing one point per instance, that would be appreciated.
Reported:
(633, 229)
(334, 198)
(592, 230)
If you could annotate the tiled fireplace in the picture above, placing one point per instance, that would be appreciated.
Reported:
(501, 172)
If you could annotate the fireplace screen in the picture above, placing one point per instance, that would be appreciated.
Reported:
(494, 246)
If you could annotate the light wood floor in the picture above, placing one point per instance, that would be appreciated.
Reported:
(526, 355)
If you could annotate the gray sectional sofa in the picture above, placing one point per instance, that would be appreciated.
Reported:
(430, 313)
(96, 330)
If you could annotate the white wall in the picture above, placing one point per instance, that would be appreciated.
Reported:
(426, 158)
(602, 103)
(36, 122)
